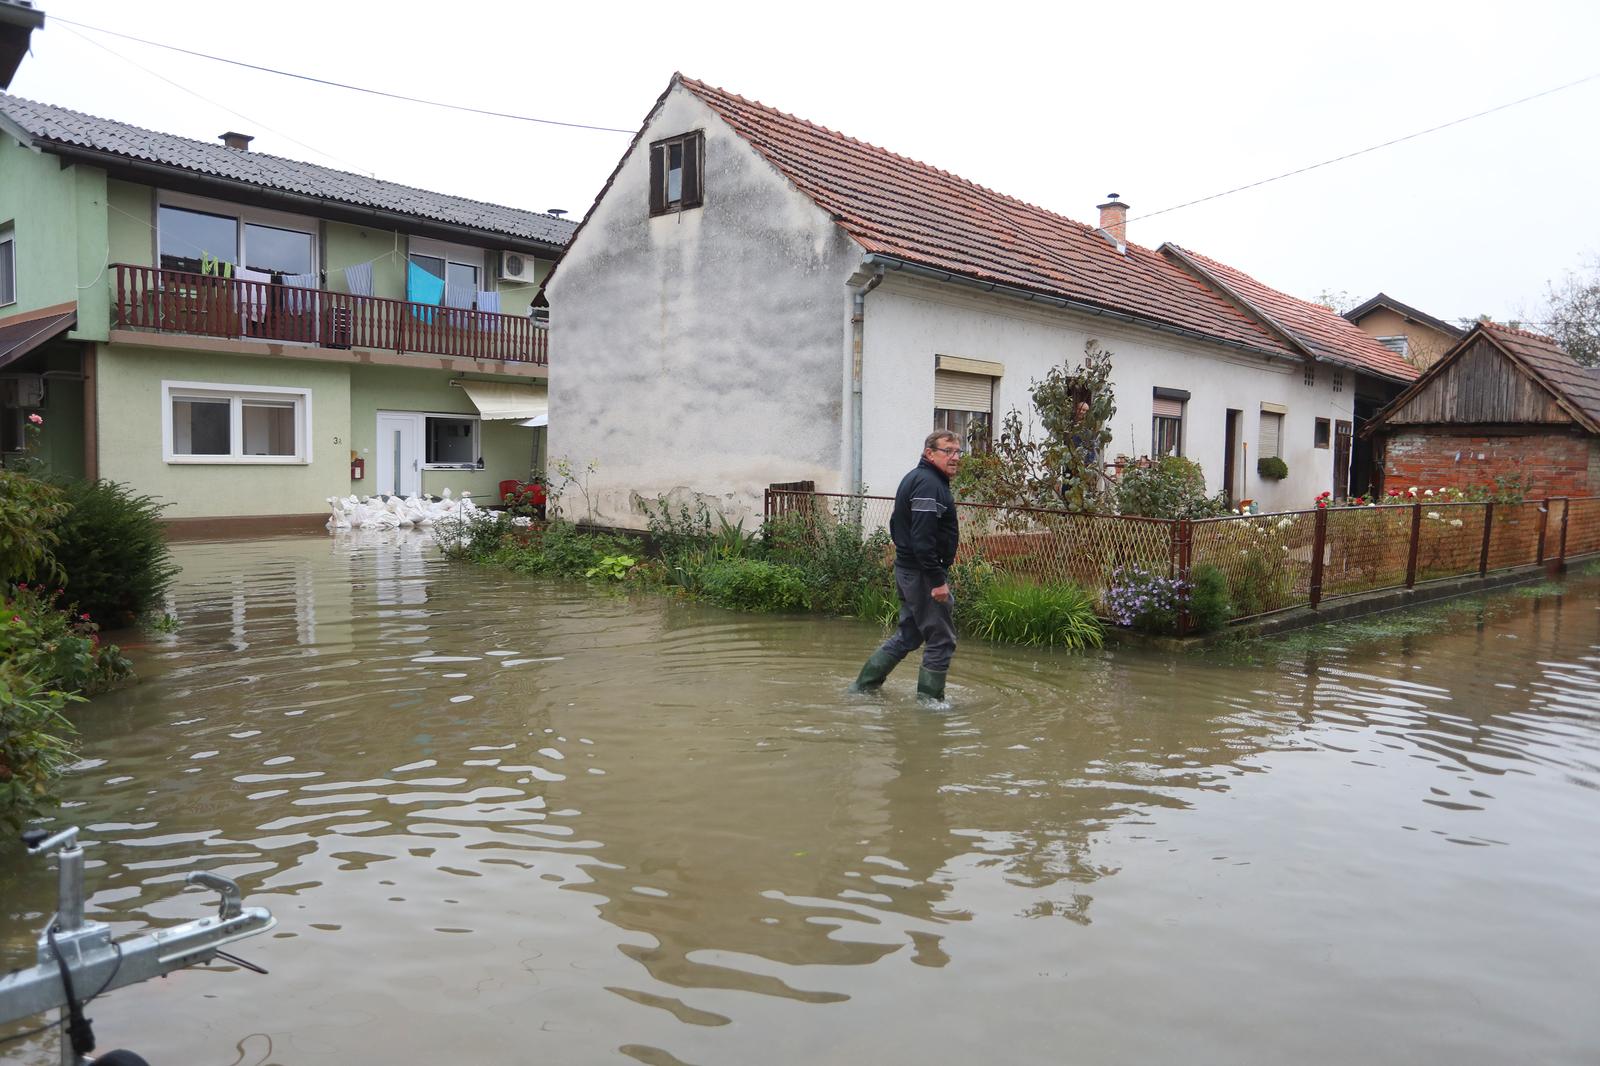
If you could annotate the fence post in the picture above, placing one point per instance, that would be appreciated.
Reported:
(1416, 538)
(766, 505)
(1544, 524)
(1319, 546)
(1488, 524)
(1566, 509)
(1184, 532)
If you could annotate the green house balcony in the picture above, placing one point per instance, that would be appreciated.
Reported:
(155, 300)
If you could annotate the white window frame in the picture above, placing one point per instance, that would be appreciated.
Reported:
(242, 215)
(236, 395)
(461, 255)
(458, 416)
(8, 261)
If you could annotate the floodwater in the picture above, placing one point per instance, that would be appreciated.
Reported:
(503, 819)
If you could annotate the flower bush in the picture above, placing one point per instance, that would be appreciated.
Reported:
(1145, 601)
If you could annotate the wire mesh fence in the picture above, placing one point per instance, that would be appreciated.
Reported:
(1270, 562)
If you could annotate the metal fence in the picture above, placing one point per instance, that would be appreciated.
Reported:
(1270, 562)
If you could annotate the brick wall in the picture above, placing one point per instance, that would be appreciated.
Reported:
(1560, 463)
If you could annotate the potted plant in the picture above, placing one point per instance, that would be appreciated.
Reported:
(1272, 467)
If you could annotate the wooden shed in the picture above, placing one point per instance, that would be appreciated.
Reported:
(1501, 405)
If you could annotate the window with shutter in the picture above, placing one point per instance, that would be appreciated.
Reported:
(962, 403)
(676, 167)
(1271, 434)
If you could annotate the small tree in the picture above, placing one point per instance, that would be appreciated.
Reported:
(1074, 406)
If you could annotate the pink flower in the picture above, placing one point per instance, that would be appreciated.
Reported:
(17, 619)
(83, 618)
(35, 419)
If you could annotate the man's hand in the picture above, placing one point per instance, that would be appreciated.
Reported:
(942, 593)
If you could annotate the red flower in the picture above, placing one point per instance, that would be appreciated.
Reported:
(83, 618)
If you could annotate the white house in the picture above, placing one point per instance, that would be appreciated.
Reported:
(754, 298)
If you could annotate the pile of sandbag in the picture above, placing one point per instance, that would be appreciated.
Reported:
(396, 512)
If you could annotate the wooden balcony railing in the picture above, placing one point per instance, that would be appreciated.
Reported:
(176, 301)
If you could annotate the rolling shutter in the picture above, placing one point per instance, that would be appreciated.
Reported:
(1167, 408)
(1271, 434)
(955, 391)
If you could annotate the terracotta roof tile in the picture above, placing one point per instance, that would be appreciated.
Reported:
(899, 207)
(1319, 330)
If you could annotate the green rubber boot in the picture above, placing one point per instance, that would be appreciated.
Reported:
(930, 685)
(873, 674)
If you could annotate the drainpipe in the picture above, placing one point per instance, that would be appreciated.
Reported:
(858, 315)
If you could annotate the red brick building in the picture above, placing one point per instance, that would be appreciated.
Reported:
(1501, 403)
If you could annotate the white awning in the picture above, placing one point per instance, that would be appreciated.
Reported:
(535, 422)
(507, 399)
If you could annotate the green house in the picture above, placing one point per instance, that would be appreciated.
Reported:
(243, 335)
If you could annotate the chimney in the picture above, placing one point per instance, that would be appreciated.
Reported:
(240, 141)
(1114, 219)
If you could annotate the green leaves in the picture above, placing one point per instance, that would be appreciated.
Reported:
(1022, 612)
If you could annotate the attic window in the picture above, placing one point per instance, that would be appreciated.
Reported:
(1338, 379)
(1400, 346)
(675, 170)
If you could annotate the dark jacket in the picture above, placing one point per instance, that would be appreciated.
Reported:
(924, 526)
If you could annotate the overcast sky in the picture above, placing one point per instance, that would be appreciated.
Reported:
(1161, 103)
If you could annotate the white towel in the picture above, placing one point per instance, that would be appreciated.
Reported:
(489, 301)
(300, 297)
(253, 298)
(459, 297)
(358, 279)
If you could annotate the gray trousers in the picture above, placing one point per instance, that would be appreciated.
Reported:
(923, 619)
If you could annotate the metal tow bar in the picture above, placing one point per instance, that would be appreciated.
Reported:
(94, 963)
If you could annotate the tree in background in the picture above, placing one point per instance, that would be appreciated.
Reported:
(1571, 313)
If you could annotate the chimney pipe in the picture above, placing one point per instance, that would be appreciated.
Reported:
(1114, 219)
(240, 141)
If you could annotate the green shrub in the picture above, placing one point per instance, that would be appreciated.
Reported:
(58, 649)
(556, 548)
(1209, 607)
(836, 555)
(1021, 612)
(474, 535)
(34, 744)
(612, 567)
(1272, 468)
(755, 585)
(878, 602)
(112, 551)
(969, 581)
(1171, 487)
(30, 511)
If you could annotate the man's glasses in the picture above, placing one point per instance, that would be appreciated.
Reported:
(948, 451)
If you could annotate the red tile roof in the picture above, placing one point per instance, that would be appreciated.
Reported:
(1320, 331)
(908, 210)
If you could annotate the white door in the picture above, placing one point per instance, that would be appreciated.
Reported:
(399, 454)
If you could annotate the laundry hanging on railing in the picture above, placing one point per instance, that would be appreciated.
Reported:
(215, 266)
(300, 293)
(423, 288)
(253, 297)
(358, 279)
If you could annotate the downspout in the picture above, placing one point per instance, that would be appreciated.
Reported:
(858, 317)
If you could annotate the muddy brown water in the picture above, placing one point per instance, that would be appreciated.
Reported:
(502, 819)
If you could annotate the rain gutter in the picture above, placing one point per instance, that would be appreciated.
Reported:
(916, 269)
(858, 318)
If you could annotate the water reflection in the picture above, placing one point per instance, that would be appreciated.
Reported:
(498, 816)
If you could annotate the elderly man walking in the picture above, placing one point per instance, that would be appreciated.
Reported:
(925, 534)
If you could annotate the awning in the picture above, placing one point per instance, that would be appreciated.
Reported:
(507, 399)
(535, 422)
(17, 339)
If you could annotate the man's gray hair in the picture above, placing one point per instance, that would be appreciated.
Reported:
(932, 443)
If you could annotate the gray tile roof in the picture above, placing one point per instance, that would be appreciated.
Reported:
(1578, 385)
(49, 125)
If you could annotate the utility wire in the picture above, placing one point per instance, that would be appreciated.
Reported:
(224, 107)
(343, 85)
(1364, 151)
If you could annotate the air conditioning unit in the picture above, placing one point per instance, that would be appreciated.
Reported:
(517, 266)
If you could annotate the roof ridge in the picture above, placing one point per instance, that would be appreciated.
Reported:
(697, 85)
(1288, 295)
(266, 155)
(1519, 332)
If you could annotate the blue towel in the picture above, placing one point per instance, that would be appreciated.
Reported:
(423, 288)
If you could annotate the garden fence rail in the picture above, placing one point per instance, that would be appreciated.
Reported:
(1271, 562)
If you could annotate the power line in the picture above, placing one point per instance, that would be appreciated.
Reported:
(229, 110)
(1364, 151)
(344, 85)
